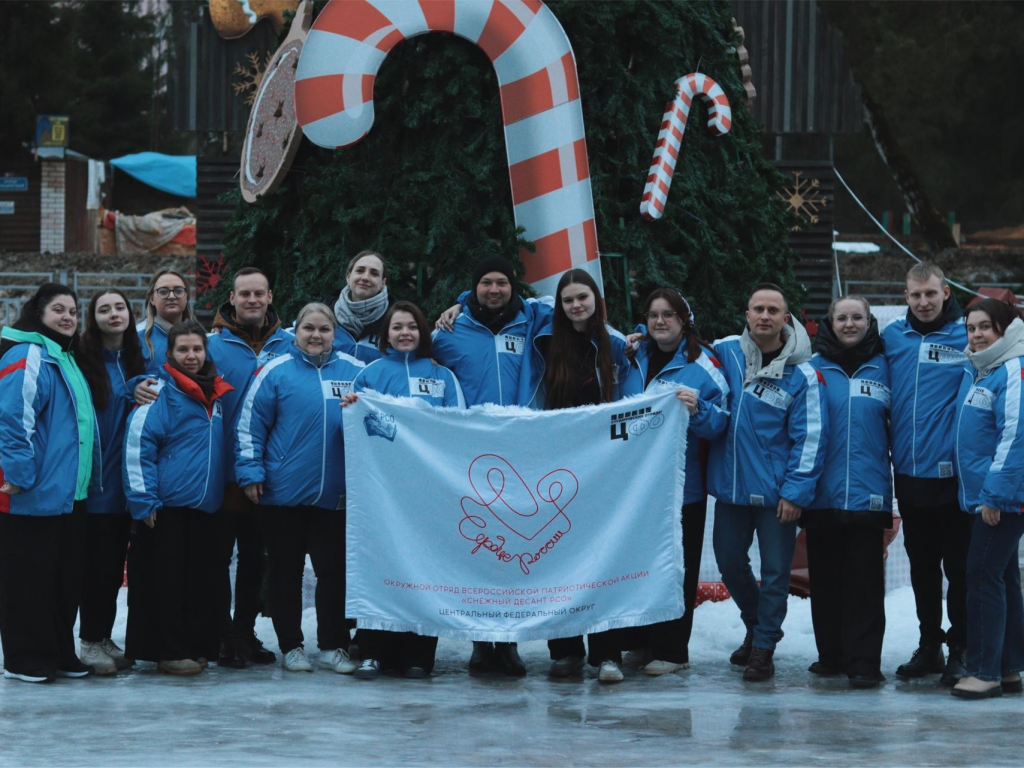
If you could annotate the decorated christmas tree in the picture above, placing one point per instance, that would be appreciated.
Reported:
(429, 185)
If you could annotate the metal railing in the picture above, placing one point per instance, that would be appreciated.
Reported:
(17, 287)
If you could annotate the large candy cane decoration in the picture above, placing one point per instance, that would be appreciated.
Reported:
(532, 57)
(670, 138)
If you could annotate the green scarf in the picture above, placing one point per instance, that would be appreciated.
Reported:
(84, 411)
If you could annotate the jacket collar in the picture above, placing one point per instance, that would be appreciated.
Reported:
(796, 349)
(193, 390)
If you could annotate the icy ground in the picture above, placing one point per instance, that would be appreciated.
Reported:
(703, 716)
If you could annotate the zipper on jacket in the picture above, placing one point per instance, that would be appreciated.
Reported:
(323, 444)
(739, 410)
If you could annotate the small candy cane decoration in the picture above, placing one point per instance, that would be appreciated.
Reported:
(670, 138)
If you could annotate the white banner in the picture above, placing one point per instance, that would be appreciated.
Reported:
(505, 524)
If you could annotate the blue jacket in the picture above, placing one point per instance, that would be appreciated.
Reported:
(236, 364)
(775, 444)
(710, 420)
(174, 448)
(856, 475)
(990, 439)
(926, 373)
(538, 365)
(493, 368)
(289, 436)
(111, 422)
(154, 362)
(405, 374)
(39, 434)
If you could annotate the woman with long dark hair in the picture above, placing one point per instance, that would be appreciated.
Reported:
(110, 354)
(174, 481)
(671, 355)
(990, 465)
(580, 360)
(49, 454)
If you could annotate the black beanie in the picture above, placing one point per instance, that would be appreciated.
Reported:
(495, 264)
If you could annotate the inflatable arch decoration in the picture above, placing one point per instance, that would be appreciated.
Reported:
(540, 103)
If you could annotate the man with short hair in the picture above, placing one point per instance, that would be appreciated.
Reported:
(925, 352)
(487, 349)
(247, 333)
(764, 469)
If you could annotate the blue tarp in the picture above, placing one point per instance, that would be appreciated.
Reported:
(174, 174)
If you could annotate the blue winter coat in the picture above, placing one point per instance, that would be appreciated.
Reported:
(174, 448)
(111, 422)
(405, 374)
(493, 368)
(990, 439)
(158, 337)
(710, 420)
(926, 374)
(856, 475)
(236, 363)
(39, 435)
(775, 444)
(288, 435)
(538, 365)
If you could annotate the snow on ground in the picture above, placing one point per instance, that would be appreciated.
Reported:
(703, 716)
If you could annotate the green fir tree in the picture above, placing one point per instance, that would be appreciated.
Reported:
(429, 186)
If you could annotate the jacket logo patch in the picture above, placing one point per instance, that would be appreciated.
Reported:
(265, 357)
(335, 390)
(769, 393)
(756, 501)
(875, 503)
(979, 397)
(635, 423)
(218, 410)
(509, 344)
(872, 389)
(426, 387)
(945, 469)
(941, 354)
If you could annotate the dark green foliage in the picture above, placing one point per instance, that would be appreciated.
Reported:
(429, 186)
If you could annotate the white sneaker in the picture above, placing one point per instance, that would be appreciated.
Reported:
(368, 670)
(94, 657)
(609, 672)
(659, 667)
(26, 678)
(295, 661)
(114, 651)
(338, 660)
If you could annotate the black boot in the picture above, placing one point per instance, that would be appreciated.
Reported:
(741, 655)
(249, 648)
(956, 666)
(760, 667)
(480, 661)
(506, 659)
(824, 668)
(927, 660)
(229, 654)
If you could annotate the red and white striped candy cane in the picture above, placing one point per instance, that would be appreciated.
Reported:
(670, 138)
(540, 105)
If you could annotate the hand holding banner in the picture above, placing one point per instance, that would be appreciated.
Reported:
(504, 524)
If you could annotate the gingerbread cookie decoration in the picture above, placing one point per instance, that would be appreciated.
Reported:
(273, 134)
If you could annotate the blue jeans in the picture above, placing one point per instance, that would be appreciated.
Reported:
(995, 608)
(763, 609)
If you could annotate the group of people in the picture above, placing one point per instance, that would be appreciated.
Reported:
(179, 448)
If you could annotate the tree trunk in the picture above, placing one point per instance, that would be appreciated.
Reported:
(933, 227)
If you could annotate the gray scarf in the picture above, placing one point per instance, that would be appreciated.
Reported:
(1007, 347)
(353, 316)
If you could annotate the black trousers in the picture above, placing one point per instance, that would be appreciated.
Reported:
(938, 538)
(172, 611)
(291, 533)
(398, 650)
(847, 575)
(106, 547)
(240, 524)
(41, 561)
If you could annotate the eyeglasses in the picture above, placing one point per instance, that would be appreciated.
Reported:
(178, 292)
(667, 316)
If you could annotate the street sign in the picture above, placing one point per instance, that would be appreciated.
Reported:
(13, 184)
(6, 207)
(51, 130)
